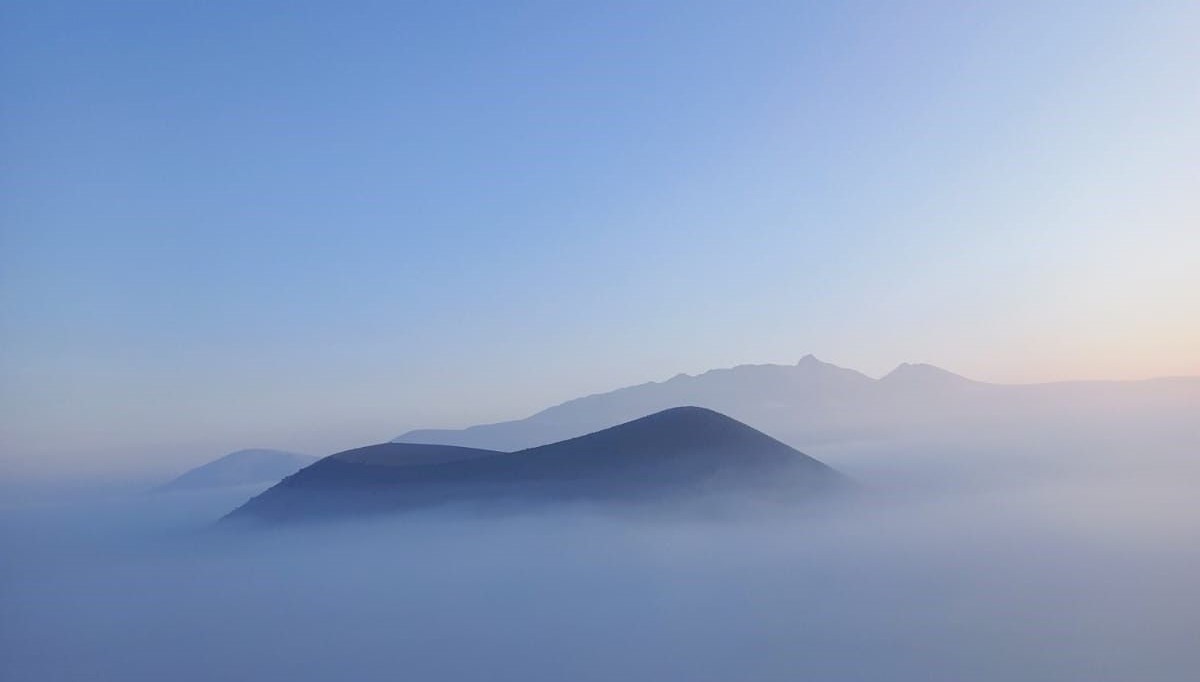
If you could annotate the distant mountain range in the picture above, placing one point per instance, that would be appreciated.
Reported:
(815, 403)
(243, 467)
(680, 456)
(676, 453)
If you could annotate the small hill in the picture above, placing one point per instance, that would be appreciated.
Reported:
(676, 456)
(243, 467)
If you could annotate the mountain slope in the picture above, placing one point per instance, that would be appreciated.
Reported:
(677, 455)
(241, 468)
(814, 405)
(810, 395)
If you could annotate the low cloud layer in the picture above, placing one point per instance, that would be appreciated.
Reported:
(1064, 572)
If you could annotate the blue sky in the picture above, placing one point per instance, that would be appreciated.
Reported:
(313, 225)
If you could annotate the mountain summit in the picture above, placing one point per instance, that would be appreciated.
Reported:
(924, 375)
(681, 455)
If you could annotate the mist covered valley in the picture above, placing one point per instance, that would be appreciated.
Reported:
(1044, 555)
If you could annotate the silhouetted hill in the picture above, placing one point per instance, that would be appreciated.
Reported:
(243, 467)
(676, 456)
(408, 454)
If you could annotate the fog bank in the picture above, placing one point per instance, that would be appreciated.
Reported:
(1070, 574)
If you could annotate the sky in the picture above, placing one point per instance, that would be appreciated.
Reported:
(318, 224)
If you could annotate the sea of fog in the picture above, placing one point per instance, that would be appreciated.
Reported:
(1059, 563)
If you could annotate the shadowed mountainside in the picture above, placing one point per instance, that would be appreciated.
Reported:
(676, 456)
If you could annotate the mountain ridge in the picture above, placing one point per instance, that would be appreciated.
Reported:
(682, 453)
(241, 467)
(808, 404)
(592, 411)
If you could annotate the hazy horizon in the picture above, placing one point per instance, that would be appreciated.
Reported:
(1073, 570)
(155, 463)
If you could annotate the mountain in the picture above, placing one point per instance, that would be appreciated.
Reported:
(771, 396)
(923, 375)
(681, 455)
(243, 467)
(814, 404)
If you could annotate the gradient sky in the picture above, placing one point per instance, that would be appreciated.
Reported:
(313, 225)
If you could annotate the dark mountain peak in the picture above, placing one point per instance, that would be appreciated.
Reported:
(683, 426)
(681, 454)
(683, 416)
(408, 454)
